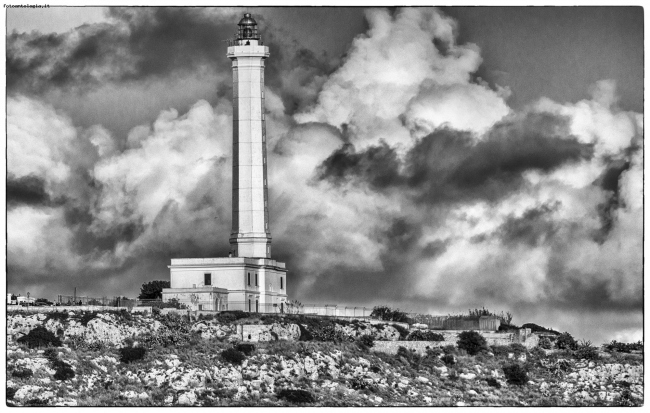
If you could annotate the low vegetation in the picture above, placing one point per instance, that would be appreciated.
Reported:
(472, 342)
(201, 362)
(233, 356)
(39, 337)
(131, 354)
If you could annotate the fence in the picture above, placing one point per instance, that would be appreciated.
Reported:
(85, 301)
(252, 306)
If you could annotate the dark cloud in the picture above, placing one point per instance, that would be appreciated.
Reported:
(534, 227)
(609, 181)
(570, 288)
(296, 73)
(378, 165)
(141, 44)
(450, 166)
(29, 190)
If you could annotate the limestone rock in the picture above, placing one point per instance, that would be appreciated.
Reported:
(187, 399)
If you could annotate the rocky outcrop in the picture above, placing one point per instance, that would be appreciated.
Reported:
(335, 374)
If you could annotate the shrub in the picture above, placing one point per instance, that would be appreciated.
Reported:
(537, 353)
(586, 351)
(129, 354)
(386, 313)
(86, 317)
(35, 402)
(500, 351)
(491, 381)
(11, 391)
(419, 335)
(545, 343)
(507, 327)
(51, 354)
(328, 332)
(39, 337)
(305, 335)
(246, 348)
(565, 341)
(450, 349)
(22, 373)
(515, 374)
(295, 395)
(366, 340)
(57, 316)
(534, 328)
(122, 315)
(448, 359)
(63, 370)
(403, 352)
(233, 356)
(518, 348)
(206, 317)
(624, 347)
(472, 342)
(231, 316)
(434, 352)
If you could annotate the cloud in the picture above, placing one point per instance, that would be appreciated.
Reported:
(397, 71)
(26, 190)
(121, 207)
(449, 166)
(137, 43)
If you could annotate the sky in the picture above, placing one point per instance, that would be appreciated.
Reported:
(429, 159)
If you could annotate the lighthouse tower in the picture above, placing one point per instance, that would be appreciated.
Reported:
(250, 236)
(248, 279)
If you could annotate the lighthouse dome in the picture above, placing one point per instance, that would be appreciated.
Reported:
(247, 20)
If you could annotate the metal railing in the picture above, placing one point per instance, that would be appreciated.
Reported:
(84, 300)
(333, 310)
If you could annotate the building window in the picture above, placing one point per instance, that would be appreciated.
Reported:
(249, 278)
(281, 283)
(207, 279)
(250, 307)
(256, 284)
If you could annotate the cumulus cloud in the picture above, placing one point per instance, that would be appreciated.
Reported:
(395, 178)
(405, 67)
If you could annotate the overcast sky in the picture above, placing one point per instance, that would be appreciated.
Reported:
(433, 160)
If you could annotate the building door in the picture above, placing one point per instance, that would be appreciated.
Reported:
(282, 307)
(257, 306)
(249, 306)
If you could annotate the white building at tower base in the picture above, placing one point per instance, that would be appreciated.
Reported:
(234, 283)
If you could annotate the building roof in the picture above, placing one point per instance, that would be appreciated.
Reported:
(247, 20)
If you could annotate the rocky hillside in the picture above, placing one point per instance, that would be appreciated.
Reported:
(123, 359)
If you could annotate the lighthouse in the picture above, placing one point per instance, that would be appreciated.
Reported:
(250, 236)
(248, 279)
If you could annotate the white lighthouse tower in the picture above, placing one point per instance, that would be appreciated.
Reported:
(250, 235)
(248, 279)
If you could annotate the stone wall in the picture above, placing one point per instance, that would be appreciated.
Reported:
(61, 308)
(276, 331)
(522, 336)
